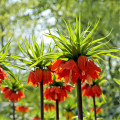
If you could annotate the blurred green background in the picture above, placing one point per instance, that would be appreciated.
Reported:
(27, 18)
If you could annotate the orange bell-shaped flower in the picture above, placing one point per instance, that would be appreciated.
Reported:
(36, 118)
(39, 75)
(47, 77)
(22, 109)
(3, 75)
(68, 71)
(91, 91)
(31, 78)
(56, 64)
(98, 110)
(48, 106)
(11, 95)
(88, 69)
(57, 92)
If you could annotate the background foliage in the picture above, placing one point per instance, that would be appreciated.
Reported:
(20, 18)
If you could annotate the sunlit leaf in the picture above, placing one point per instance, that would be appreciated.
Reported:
(117, 81)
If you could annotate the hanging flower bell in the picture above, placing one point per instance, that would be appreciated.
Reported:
(12, 95)
(35, 77)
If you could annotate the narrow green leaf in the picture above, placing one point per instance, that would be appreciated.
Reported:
(49, 48)
(5, 45)
(113, 56)
(102, 52)
(33, 51)
(63, 43)
(48, 56)
(117, 81)
(96, 56)
(96, 60)
(36, 47)
(71, 33)
(97, 47)
(103, 98)
(8, 64)
(64, 39)
(101, 81)
(72, 36)
(18, 57)
(22, 49)
(58, 44)
(8, 83)
(98, 40)
(42, 48)
(22, 59)
(8, 71)
(79, 26)
(91, 33)
(27, 48)
(5, 53)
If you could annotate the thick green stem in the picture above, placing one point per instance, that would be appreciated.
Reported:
(57, 110)
(13, 110)
(42, 100)
(94, 108)
(23, 116)
(79, 100)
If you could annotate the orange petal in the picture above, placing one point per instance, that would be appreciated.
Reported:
(31, 78)
(89, 80)
(55, 64)
(94, 66)
(82, 60)
(49, 77)
(98, 110)
(84, 86)
(44, 77)
(38, 75)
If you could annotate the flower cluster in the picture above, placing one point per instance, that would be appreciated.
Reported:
(49, 106)
(3, 75)
(66, 70)
(57, 92)
(83, 69)
(69, 115)
(36, 118)
(12, 95)
(98, 110)
(22, 109)
(35, 77)
(88, 69)
(91, 91)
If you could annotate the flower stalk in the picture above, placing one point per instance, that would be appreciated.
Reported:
(79, 100)
(23, 116)
(94, 108)
(13, 110)
(57, 109)
(41, 101)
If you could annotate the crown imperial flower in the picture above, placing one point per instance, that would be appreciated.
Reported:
(22, 109)
(3, 75)
(48, 106)
(91, 91)
(11, 95)
(98, 110)
(57, 92)
(36, 77)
